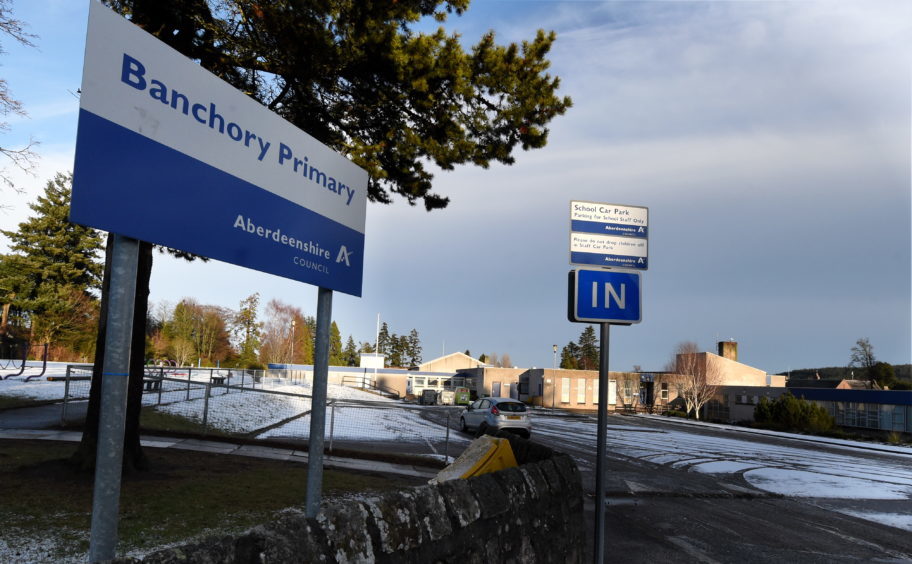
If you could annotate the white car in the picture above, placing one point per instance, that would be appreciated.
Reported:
(496, 414)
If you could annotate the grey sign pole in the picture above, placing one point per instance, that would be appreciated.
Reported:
(112, 417)
(602, 446)
(318, 403)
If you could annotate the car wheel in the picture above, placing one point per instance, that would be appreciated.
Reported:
(482, 429)
(462, 426)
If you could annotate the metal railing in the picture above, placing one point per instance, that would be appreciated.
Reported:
(273, 406)
(365, 383)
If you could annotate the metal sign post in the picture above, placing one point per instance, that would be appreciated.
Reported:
(601, 442)
(318, 403)
(111, 421)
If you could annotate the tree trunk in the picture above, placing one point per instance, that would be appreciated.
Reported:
(134, 458)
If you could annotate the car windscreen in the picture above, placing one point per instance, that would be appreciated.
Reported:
(511, 407)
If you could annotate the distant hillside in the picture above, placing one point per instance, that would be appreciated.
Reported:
(902, 371)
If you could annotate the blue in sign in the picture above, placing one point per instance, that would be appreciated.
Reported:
(604, 296)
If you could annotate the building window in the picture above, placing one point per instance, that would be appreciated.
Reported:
(595, 391)
(565, 390)
(580, 390)
(665, 391)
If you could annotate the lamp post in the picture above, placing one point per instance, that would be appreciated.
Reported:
(554, 362)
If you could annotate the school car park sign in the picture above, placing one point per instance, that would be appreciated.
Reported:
(609, 235)
(168, 153)
(610, 242)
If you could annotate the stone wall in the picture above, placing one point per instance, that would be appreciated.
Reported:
(529, 514)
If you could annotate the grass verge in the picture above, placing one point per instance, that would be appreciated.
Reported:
(14, 402)
(186, 494)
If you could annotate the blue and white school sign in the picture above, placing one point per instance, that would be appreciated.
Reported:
(168, 153)
(604, 296)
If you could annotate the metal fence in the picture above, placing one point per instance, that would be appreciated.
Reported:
(276, 405)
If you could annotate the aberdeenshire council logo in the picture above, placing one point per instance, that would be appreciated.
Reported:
(248, 226)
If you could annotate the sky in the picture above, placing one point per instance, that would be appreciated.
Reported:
(769, 140)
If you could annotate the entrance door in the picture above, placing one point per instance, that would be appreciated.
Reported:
(647, 395)
(495, 389)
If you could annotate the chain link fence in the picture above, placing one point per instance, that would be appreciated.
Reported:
(275, 405)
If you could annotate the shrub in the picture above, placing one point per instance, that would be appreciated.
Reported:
(788, 413)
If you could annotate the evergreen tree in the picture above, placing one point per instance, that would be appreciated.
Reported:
(414, 348)
(398, 350)
(588, 350)
(53, 269)
(306, 340)
(350, 353)
(883, 374)
(335, 346)
(570, 356)
(247, 330)
(384, 342)
(362, 79)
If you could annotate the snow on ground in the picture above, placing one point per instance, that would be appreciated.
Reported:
(793, 471)
(800, 483)
(824, 440)
(279, 411)
(38, 389)
(898, 520)
(373, 424)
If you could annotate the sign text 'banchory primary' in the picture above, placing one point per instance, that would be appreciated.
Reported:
(133, 73)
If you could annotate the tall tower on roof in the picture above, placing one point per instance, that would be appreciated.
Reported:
(729, 350)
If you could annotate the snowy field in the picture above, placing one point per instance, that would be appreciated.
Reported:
(845, 480)
(277, 409)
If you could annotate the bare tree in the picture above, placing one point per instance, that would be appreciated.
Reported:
(506, 361)
(23, 158)
(281, 341)
(628, 389)
(863, 357)
(697, 378)
(183, 351)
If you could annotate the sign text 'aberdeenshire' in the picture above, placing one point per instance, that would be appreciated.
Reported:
(206, 114)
